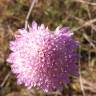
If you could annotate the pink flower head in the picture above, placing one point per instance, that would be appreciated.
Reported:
(43, 58)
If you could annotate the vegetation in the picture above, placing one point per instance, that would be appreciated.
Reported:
(79, 15)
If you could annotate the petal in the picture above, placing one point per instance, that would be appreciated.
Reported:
(34, 25)
(22, 31)
(42, 27)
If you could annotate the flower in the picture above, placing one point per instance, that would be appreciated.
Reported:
(43, 58)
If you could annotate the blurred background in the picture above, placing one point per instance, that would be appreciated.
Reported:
(79, 15)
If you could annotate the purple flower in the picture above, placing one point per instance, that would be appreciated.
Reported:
(43, 58)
